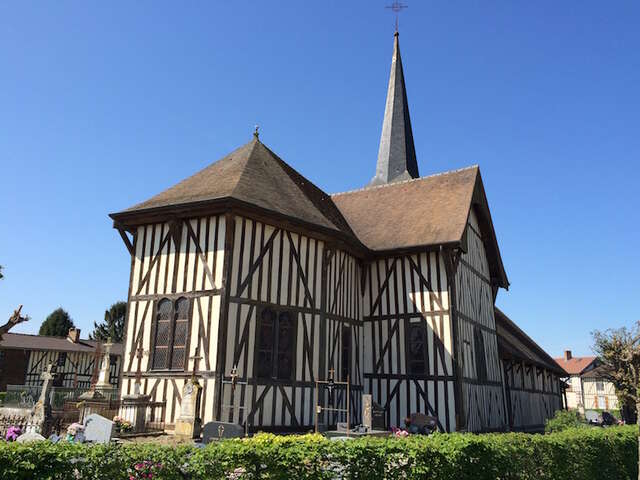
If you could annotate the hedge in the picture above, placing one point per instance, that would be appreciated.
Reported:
(574, 454)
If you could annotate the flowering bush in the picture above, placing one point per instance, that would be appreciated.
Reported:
(13, 433)
(146, 469)
(122, 424)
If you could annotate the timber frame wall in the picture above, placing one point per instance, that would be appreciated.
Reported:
(231, 266)
(533, 395)
(482, 387)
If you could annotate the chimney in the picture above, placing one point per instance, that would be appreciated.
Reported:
(567, 355)
(74, 335)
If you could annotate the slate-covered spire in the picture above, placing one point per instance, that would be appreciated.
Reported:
(397, 154)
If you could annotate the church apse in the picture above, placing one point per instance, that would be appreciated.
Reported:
(293, 315)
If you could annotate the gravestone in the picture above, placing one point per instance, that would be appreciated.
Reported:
(378, 417)
(98, 429)
(188, 423)
(30, 437)
(218, 430)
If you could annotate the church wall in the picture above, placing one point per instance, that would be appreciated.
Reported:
(534, 395)
(285, 272)
(173, 260)
(400, 293)
(483, 397)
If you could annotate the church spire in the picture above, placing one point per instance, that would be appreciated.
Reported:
(397, 154)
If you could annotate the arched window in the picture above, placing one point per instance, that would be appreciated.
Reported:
(275, 345)
(170, 334)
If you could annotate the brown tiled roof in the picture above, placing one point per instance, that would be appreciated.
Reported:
(513, 342)
(42, 342)
(425, 211)
(253, 175)
(576, 365)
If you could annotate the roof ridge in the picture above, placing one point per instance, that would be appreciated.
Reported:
(384, 185)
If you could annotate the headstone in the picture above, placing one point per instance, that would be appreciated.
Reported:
(378, 417)
(30, 437)
(98, 429)
(188, 423)
(367, 405)
(218, 430)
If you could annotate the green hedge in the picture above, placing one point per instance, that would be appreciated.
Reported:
(574, 454)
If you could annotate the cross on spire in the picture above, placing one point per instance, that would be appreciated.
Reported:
(396, 7)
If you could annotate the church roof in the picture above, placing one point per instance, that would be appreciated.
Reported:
(426, 211)
(397, 153)
(255, 176)
(513, 342)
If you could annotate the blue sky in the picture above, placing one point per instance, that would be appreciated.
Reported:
(105, 104)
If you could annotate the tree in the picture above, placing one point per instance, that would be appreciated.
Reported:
(57, 324)
(619, 350)
(113, 325)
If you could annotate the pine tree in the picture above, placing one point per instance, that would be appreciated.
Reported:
(57, 324)
(113, 325)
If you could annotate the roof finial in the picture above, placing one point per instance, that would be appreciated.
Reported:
(396, 7)
(256, 134)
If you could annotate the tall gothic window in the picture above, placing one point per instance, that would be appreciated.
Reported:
(417, 349)
(481, 362)
(275, 345)
(170, 334)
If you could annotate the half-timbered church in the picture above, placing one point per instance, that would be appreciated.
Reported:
(248, 267)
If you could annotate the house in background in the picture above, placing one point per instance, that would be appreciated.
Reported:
(24, 357)
(588, 387)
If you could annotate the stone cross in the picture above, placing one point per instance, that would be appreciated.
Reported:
(140, 352)
(47, 376)
(105, 367)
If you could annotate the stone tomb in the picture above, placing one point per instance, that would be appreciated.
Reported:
(30, 437)
(98, 429)
(218, 430)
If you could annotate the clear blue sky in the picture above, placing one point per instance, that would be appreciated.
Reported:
(103, 104)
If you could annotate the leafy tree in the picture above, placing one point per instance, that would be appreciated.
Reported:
(113, 324)
(57, 324)
(619, 350)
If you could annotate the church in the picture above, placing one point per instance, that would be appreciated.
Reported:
(247, 272)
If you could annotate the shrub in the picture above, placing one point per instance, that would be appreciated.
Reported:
(573, 454)
(564, 419)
